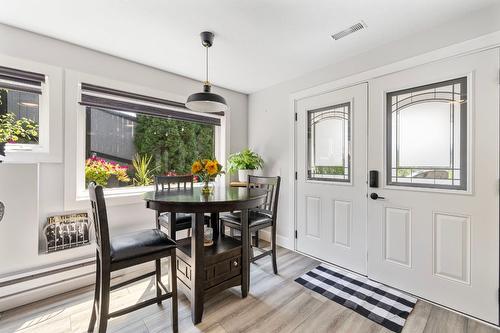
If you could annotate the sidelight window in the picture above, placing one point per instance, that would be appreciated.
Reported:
(427, 136)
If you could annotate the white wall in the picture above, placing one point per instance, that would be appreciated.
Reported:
(19, 229)
(270, 109)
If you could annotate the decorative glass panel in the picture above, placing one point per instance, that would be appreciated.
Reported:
(328, 136)
(427, 135)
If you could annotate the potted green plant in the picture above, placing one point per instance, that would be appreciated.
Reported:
(245, 162)
(144, 174)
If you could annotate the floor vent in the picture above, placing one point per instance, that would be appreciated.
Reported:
(358, 26)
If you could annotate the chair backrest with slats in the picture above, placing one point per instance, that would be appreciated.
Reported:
(100, 218)
(163, 183)
(272, 185)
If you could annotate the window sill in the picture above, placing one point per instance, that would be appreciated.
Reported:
(118, 197)
(121, 196)
(29, 154)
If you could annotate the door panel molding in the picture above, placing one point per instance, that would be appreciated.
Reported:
(342, 219)
(451, 246)
(313, 216)
(397, 236)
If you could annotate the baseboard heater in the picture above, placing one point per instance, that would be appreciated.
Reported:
(24, 277)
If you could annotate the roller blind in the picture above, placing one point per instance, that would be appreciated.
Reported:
(102, 97)
(16, 79)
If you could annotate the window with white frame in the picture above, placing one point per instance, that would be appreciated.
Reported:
(21, 108)
(130, 138)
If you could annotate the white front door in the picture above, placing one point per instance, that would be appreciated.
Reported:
(433, 136)
(331, 198)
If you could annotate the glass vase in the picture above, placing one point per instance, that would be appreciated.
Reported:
(207, 188)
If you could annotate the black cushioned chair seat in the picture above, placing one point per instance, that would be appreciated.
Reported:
(255, 217)
(139, 243)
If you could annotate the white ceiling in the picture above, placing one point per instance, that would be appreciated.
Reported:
(258, 43)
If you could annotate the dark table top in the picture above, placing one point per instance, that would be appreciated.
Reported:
(223, 199)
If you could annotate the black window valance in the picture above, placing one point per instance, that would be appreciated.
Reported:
(20, 80)
(101, 97)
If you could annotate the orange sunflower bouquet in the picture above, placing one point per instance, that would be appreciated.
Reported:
(207, 170)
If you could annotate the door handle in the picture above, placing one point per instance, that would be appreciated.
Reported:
(375, 196)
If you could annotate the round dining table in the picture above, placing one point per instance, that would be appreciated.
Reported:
(203, 271)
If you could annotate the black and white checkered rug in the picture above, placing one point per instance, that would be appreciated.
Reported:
(385, 306)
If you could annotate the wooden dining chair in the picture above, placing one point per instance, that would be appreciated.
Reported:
(261, 217)
(179, 221)
(125, 251)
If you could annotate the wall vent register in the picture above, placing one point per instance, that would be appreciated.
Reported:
(356, 27)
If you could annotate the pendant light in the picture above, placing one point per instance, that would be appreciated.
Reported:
(206, 101)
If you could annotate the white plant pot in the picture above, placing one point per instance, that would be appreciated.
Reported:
(243, 175)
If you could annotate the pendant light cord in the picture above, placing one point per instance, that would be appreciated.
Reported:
(206, 48)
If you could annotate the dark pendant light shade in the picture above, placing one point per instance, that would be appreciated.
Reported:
(206, 101)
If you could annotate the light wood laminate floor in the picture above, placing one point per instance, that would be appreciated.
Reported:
(275, 304)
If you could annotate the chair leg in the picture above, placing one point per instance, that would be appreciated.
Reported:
(95, 303)
(222, 229)
(273, 248)
(157, 214)
(256, 242)
(102, 317)
(250, 248)
(173, 289)
(158, 279)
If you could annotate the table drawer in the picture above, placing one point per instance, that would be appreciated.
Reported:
(215, 273)
(222, 271)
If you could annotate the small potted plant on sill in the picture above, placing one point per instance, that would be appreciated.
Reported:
(245, 162)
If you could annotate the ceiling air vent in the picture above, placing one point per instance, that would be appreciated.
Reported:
(350, 30)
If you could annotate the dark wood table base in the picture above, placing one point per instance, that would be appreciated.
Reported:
(205, 271)
(222, 266)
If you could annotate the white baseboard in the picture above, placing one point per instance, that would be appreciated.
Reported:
(280, 240)
(37, 289)
(45, 291)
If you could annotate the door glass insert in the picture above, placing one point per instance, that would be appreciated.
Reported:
(427, 136)
(329, 136)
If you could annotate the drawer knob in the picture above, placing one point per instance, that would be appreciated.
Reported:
(235, 263)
